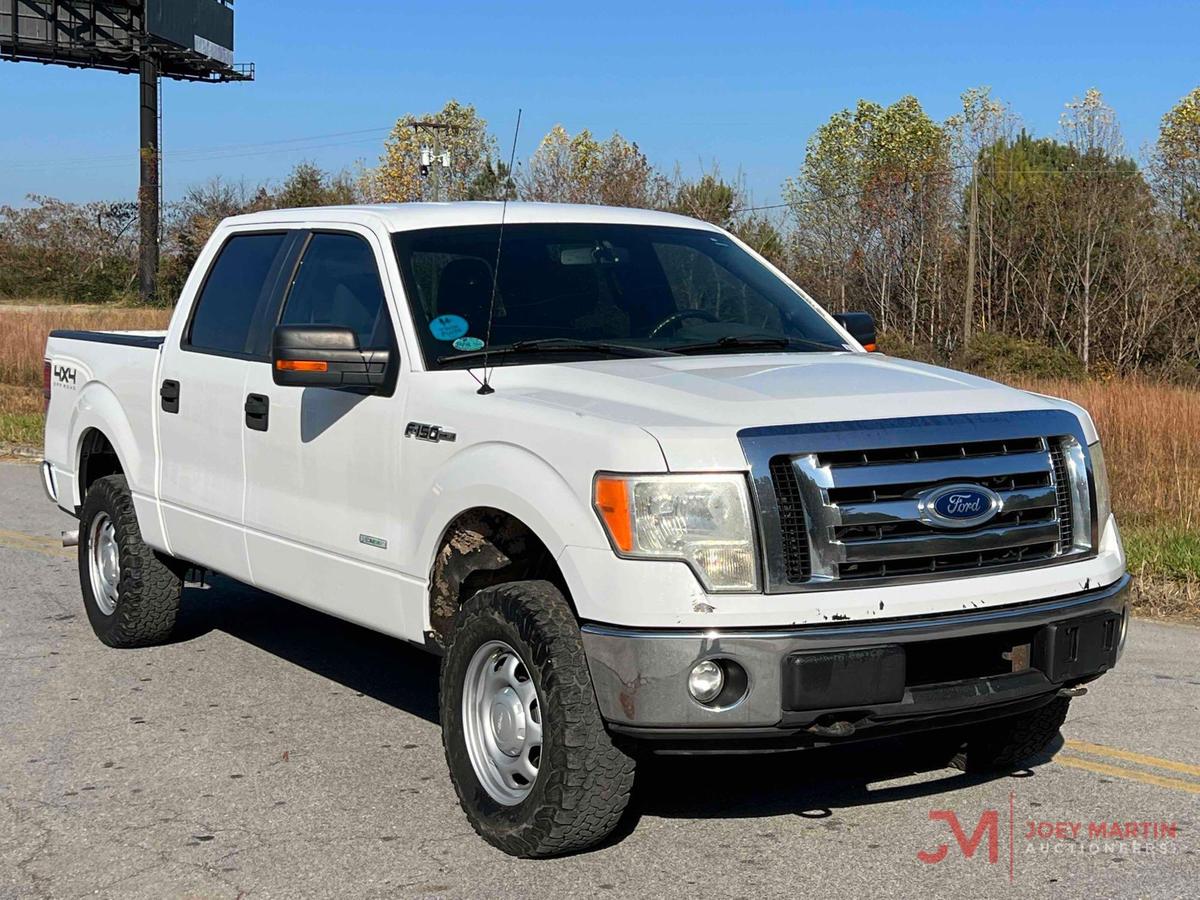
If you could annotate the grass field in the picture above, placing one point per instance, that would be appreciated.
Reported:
(1151, 438)
(1150, 431)
(23, 332)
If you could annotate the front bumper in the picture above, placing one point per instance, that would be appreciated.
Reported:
(886, 676)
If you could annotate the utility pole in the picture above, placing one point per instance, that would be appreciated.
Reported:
(431, 163)
(148, 188)
(972, 231)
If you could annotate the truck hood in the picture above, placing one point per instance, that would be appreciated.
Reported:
(694, 406)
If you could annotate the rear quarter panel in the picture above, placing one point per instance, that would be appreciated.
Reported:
(109, 387)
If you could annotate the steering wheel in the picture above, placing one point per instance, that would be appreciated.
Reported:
(679, 315)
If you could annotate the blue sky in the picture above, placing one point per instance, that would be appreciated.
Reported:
(743, 84)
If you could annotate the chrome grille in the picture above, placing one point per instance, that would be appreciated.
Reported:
(840, 503)
(1062, 489)
(793, 526)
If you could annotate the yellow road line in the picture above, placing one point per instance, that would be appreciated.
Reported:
(1099, 768)
(19, 540)
(1130, 756)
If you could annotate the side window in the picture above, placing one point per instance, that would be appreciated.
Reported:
(337, 283)
(232, 292)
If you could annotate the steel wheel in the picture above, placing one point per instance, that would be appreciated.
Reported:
(502, 723)
(104, 562)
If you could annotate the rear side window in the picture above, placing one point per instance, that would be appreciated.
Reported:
(236, 285)
(338, 283)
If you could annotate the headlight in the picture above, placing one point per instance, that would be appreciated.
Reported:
(1100, 482)
(703, 520)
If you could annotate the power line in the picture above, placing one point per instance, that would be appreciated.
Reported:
(195, 154)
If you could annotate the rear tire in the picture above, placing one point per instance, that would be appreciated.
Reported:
(581, 781)
(131, 593)
(1005, 743)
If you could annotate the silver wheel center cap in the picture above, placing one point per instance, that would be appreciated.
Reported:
(508, 722)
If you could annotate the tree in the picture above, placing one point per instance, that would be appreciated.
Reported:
(581, 169)
(471, 149)
(83, 253)
(1091, 204)
(309, 185)
(707, 198)
(870, 209)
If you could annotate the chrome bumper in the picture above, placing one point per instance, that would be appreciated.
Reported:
(640, 676)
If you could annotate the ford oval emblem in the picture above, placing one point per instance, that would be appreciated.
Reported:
(958, 505)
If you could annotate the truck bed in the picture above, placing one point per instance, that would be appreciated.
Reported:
(106, 380)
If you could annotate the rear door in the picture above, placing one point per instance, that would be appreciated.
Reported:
(322, 517)
(200, 411)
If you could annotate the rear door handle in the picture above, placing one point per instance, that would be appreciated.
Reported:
(168, 395)
(258, 407)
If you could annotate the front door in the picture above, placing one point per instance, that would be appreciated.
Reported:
(200, 399)
(322, 525)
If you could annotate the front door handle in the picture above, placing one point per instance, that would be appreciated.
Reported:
(258, 407)
(168, 394)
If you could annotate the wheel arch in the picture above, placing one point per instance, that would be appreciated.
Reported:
(99, 412)
(479, 547)
(95, 457)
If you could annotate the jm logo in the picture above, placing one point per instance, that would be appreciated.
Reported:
(988, 826)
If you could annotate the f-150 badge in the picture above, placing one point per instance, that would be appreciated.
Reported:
(433, 433)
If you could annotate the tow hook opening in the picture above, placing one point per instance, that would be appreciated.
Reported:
(832, 728)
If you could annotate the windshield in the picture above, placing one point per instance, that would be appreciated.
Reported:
(594, 291)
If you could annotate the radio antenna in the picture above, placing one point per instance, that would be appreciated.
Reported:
(485, 386)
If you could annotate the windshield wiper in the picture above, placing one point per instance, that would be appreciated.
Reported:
(560, 345)
(734, 342)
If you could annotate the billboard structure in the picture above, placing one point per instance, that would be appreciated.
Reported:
(188, 40)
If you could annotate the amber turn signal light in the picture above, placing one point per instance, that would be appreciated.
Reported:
(301, 365)
(612, 502)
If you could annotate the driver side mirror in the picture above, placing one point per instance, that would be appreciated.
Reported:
(861, 327)
(328, 356)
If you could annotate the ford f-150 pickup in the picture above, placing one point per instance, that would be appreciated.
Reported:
(635, 487)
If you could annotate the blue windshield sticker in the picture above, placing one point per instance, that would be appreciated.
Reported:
(468, 343)
(448, 327)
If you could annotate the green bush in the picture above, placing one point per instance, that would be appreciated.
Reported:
(894, 344)
(1001, 357)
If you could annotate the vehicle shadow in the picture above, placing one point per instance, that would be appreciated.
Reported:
(811, 784)
(355, 657)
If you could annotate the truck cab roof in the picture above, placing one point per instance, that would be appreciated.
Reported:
(411, 216)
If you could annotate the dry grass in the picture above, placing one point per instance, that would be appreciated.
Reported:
(1151, 437)
(23, 333)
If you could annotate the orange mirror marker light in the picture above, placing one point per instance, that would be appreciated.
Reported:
(612, 501)
(871, 348)
(301, 365)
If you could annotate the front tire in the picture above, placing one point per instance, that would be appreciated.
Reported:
(1004, 744)
(130, 592)
(534, 767)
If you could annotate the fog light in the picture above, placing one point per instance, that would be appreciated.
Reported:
(706, 681)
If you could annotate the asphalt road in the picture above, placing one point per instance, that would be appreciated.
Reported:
(275, 752)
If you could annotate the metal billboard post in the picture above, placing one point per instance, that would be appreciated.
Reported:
(148, 185)
(188, 40)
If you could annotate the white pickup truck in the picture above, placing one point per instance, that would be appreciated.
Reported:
(639, 491)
